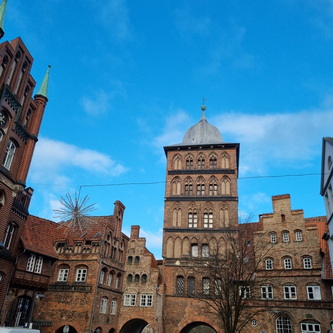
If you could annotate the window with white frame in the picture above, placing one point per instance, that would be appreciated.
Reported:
(113, 308)
(129, 299)
(310, 328)
(283, 325)
(81, 275)
(307, 263)
(298, 236)
(103, 305)
(146, 300)
(245, 292)
(63, 274)
(287, 263)
(266, 292)
(9, 155)
(208, 220)
(269, 264)
(192, 220)
(273, 237)
(285, 236)
(9, 236)
(313, 292)
(35, 264)
(101, 277)
(290, 292)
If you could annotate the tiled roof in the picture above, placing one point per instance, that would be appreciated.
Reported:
(39, 234)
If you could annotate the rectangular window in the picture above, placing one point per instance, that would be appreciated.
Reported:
(244, 292)
(273, 238)
(31, 263)
(192, 220)
(287, 263)
(113, 309)
(63, 274)
(298, 236)
(191, 285)
(180, 284)
(285, 237)
(81, 275)
(268, 264)
(146, 300)
(129, 299)
(104, 303)
(289, 292)
(205, 286)
(205, 251)
(208, 220)
(194, 250)
(9, 155)
(266, 292)
(218, 287)
(313, 292)
(310, 328)
(39, 265)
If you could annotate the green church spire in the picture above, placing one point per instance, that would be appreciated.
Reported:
(2, 17)
(43, 88)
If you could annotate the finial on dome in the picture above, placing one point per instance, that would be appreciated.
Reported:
(203, 108)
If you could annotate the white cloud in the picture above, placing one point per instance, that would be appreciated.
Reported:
(53, 157)
(154, 239)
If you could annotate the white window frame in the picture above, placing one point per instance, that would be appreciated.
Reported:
(38, 265)
(63, 274)
(9, 155)
(313, 293)
(81, 275)
(285, 237)
(273, 237)
(287, 263)
(290, 292)
(267, 292)
(208, 220)
(310, 328)
(129, 299)
(269, 264)
(103, 306)
(307, 263)
(298, 236)
(146, 300)
(113, 308)
(9, 235)
(245, 292)
(101, 277)
(31, 263)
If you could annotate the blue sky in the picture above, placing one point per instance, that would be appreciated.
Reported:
(128, 77)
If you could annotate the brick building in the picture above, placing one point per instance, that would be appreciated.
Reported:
(20, 120)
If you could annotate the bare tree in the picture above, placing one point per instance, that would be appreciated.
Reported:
(230, 280)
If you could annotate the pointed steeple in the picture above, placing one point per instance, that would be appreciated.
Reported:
(45, 84)
(2, 17)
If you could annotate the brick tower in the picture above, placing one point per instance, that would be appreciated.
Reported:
(20, 120)
(201, 204)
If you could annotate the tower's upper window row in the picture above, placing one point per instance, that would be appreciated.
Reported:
(200, 162)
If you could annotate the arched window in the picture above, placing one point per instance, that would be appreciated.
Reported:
(205, 251)
(283, 325)
(285, 236)
(224, 216)
(9, 236)
(9, 155)
(144, 278)
(208, 220)
(194, 250)
(225, 185)
(177, 216)
(201, 186)
(188, 190)
(307, 262)
(225, 160)
(287, 263)
(201, 162)
(137, 260)
(273, 237)
(212, 186)
(298, 235)
(269, 264)
(175, 186)
(177, 162)
(283, 218)
(213, 162)
(189, 162)
(129, 278)
(180, 286)
(103, 306)
(110, 278)
(113, 309)
(102, 276)
(137, 278)
(192, 219)
(130, 260)
(117, 283)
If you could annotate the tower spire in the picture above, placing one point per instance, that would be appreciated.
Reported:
(44, 87)
(2, 17)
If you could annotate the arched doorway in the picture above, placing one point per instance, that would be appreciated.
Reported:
(23, 309)
(66, 329)
(198, 327)
(136, 326)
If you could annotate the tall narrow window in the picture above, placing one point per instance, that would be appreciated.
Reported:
(201, 187)
(188, 190)
(189, 163)
(190, 285)
(194, 250)
(213, 162)
(298, 236)
(192, 220)
(285, 236)
(9, 155)
(180, 284)
(31, 263)
(269, 264)
(273, 237)
(38, 265)
(208, 220)
(212, 186)
(225, 185)
(113, 309)
(201, 162)
(101, 276)
(206, 286)
(10, 231)
(287, 263)
(110, 278)
(103, 306)
(225, 161)
(307, 263)
(205, 251)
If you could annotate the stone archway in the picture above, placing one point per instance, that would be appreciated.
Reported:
(198, 327)
(136, 326)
